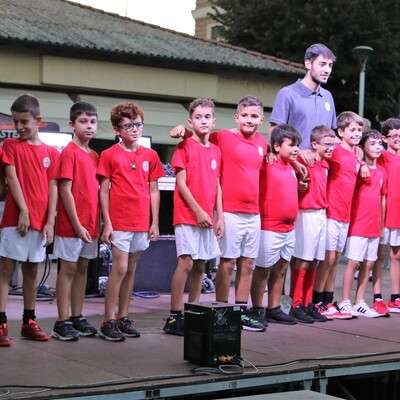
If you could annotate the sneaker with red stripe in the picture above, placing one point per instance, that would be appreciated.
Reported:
(33, 331)
(338, 314)
(323, 310)
(394, 306)
(380, 307)
(4, 338)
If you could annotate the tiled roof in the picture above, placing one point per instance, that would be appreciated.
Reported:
(61, 24)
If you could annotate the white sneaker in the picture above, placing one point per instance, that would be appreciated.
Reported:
(363, 310)
(345, 306)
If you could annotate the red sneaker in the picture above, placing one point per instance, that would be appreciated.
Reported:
(33, 331)
(380, 307)
(394, 306)
(323, 310)
(335, 313)
(4, 339)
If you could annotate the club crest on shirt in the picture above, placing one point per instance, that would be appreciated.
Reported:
(260, 151)
(213, 164)
(46, 162)
(327, 106)
(145, 166)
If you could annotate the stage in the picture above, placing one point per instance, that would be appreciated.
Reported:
(152, 367)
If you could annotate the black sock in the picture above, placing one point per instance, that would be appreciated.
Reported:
(27, 315)
(73, 317)
(377, 296)
(317, 297)
(3, 318)
(394, 296)
(258, 308)
(174, 313)
(328, 297)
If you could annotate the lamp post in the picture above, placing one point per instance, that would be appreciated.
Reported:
(362, 53)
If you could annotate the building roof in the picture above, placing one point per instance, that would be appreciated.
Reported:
(62, 25)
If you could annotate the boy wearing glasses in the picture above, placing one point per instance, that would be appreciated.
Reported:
(128, 193)
(310, 227)
(390, 160)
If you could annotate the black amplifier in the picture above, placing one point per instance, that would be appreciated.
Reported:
(212, 333)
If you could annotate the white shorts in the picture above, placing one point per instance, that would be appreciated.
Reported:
(361, 248)
(336, 235)
(30, 247)
(242, 235)
(310, 232)
(199, 243)
(130, 242)
(274, 246)
(391, 237)
(71, 248)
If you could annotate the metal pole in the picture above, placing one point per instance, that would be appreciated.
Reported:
(361, 93)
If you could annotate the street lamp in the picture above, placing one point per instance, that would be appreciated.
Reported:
(362, 53)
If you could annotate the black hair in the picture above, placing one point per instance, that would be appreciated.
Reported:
(282, 132)
(80, 108)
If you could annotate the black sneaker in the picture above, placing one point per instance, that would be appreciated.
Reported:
(125, 325)
(250, 322)
(277, 316)
(174, 325)
(300, 315)
(109, 331)
(82, 325)
(259, 315)
(64, 330)
(313, 312)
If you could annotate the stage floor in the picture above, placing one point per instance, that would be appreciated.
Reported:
(153, 362)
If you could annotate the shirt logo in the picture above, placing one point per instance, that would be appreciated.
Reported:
(46, 162)
(145, 166)
(327, 106)
(260, 151)
(213, 164)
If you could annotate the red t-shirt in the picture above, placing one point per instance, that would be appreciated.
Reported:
(240, 170)
(202, 165)
(315, 197)
(35, 166)
(278, 197)
(80, 167)
(366, 211)
(342, 177)
(391, 163)
(130, 174)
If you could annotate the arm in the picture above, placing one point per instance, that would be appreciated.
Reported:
(70, 208)
(154, 231)
(48, 230)
(16, 192)
(105, 209)
(219, 225)
(383, 211)
(203, 218)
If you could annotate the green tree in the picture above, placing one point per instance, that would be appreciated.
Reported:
(286, 28)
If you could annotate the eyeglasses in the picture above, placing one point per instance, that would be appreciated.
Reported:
(131, 125)
(394, 136)
(327, 144)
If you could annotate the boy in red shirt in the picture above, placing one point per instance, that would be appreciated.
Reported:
(197, 196)
(310, 227)
(28, 220)
(343, 171)
(77, 227)
(128, 192)
(390, 160)
(278, 209)
(366, 226)
(242, 152)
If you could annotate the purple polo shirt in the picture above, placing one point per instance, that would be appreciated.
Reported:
(304, 109)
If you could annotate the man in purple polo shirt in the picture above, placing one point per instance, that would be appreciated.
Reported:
(305, 104)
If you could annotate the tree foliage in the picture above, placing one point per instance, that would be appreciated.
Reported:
(286, 28)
